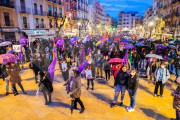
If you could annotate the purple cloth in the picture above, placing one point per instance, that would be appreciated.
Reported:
(89, 50)
(73, 41)
(148, 62)
(89, 38)
(20, 56)
(158, 51)
(59, 42)
(23, 41)
(81, 68)
(72, 80)
(125, 59)
(165, 58)
(51, 69)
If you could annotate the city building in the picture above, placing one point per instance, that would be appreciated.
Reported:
(128, 20)
(91, 17)
(8, 21)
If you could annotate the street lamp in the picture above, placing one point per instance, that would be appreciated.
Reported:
(79, 27)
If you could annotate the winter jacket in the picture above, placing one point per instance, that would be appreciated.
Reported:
(121, 78)
(136, 58)
(14, 74)
(47, 82)
(107, 66)
(176, 101)
(98, 60)
(3, 71)
(157, 66)
(166, 75)
(177, 63)
(115, 69)
(121, 54)
(130, 57)
(76, 87)
(93, 71)
(143, 54)
(132, 84)
(76, 51)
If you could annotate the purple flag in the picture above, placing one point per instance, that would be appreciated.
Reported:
(73, 41)
(89, 38)
(59, 42)
(125, 59)
(23, 41)
(20, 56)
(89, 50)
(79, 45)
(81, 68)
(51, 69)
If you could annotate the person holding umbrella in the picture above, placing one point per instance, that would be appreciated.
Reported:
(74, 88)
(153, 66)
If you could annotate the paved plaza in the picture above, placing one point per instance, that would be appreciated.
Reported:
(97, 102)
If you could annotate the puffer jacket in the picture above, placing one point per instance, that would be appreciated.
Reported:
(166, 75)
(132, 84)
(107, 66)
(121, 78)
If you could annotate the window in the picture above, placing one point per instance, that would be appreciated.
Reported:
(50, 23)
(67, 8)
(24, 22)
(7, 18)
(37, 20)
(41, 9)
(60, 12)
(42, 23)
(49, 10)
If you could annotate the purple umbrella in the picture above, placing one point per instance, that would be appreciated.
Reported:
(128, 47)
(161, 46)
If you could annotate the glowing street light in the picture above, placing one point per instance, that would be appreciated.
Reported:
(79, 23)
(151, 23)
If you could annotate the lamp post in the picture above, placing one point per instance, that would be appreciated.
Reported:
(79, 27)
(151, 26)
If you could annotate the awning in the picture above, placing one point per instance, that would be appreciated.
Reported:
(39, 32)
(9, 30)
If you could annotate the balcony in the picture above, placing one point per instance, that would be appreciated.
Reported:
(60, 15)
(74, 8)
(86, 11)
(23, 9)
(67, 10)
(49, 13)
(7, 3)
(40, 25)
(25, 26)
(39, 12)
(9, 23)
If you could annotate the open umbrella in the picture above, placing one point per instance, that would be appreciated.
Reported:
(116, 60)
(7, 58)
(139, 44)
(170, 40)
(6, 43)
(147, 48)
(151, 39)
(177, 42)
(171, 46)
(161, 46)
(128, 41)
(124, 43)
(128, 47)
(154, 56)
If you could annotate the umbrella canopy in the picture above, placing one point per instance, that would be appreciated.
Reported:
(116, 60)
(170, 40)
(154, 56)
(124, 43)
(7, 58)
(147, 48)
(128, 47)
(139, 44)
(151, 39)
(161, 46)
(142, 39)
(177, 42)
(128, 41)
(117, 39)
(171, 46)
(6, 43)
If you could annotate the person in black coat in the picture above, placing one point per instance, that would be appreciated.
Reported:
(143, 58)
(65, 71)
(132, 86)
(136, 59)
(45, 84)
(122, 52)
(107, 67)
(5, 77)
(90, 66)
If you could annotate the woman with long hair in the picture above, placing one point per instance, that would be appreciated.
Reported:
(120, 84)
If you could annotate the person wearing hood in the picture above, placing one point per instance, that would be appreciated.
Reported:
(98, 63)
(120, 84)
(161, 75)
(74, 89)
(90, 73)
(45, 85)
(176, 99)
(65, 69)
(132, 86)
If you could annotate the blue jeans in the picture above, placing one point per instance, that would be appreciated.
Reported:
(177, 115)
(132, 100)
(142, 61)
(122, 89)
(177, 72)
(172, 68)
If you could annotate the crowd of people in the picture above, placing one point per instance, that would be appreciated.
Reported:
(125, 74)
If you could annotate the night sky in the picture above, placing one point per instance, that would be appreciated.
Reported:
(114, 6)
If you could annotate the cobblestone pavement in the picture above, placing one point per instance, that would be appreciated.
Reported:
(97, 102)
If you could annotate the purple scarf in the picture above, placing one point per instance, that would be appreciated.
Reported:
(71, 82)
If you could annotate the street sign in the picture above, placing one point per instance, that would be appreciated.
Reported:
(17, 48)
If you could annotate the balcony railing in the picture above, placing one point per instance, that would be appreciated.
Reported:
(74, 18)
(23, 9)
(9, 23)
(25, 26)
(39, 12)
(40, 25)
(74, 8)
(53, 14)
(7, 3)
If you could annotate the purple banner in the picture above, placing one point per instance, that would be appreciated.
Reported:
(51, 69)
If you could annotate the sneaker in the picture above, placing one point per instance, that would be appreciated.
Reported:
(128, 107)
(162, 96)
(112, 105)
(155, 95)
(15, 93)
(92, 88)
(131, 110)
(6, 93)
(121, 104)
(82, 110)
(87, 88)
